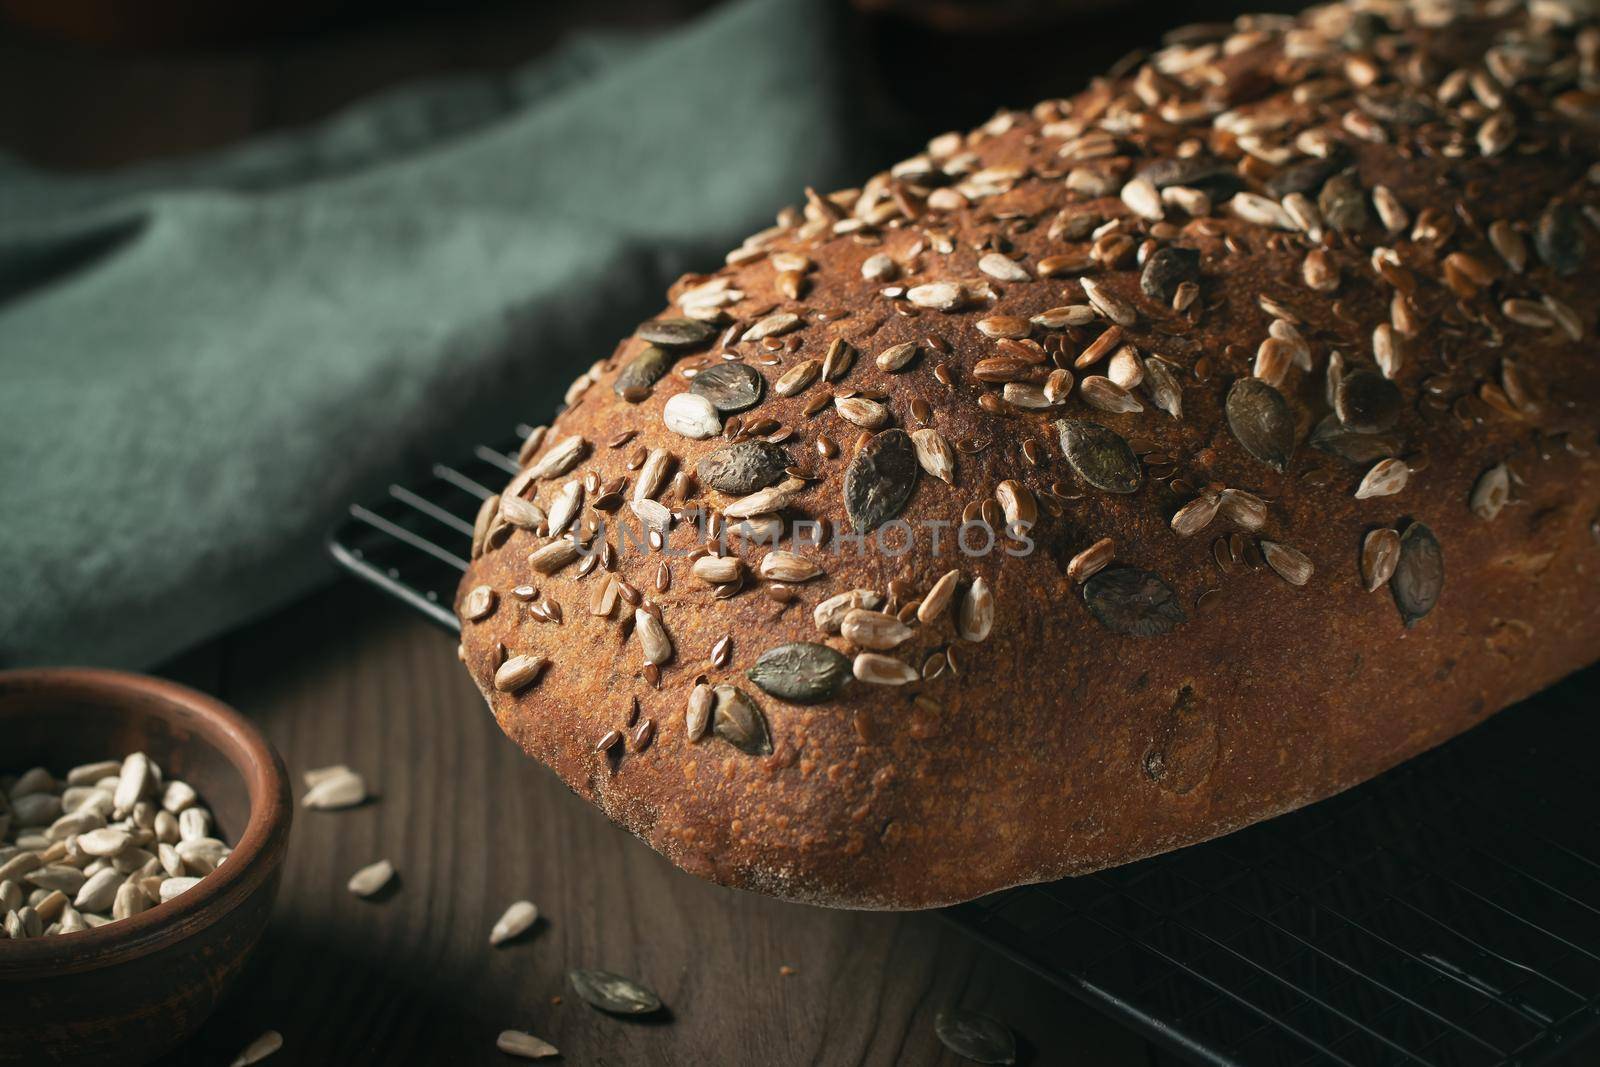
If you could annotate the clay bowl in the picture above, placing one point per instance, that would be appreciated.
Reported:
(128, 991)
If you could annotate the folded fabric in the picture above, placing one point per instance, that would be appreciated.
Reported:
(203, 362)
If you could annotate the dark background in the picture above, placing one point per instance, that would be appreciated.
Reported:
(347, 676)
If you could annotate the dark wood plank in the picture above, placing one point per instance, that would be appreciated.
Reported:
(472, 825)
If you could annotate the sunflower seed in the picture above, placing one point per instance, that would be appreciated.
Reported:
(940, 296)
(976, 615)
(830, 614)
(1290, 563)
(797, 378)
(343, 790)
(478, 603)
(90, 773)
(1418, 574)
(1100, 456)
(1061, 317)
(1127, 600)
(697, 716)
(879, 268)
(1261, 422)
(1386, 478)
(1002, 269)
(801, 673)
(613, 993)
(1091, 561)
(259, 1049)
(880, 479)
(365, 882)
(1196, 515)
(975, 1037)
(654, 640)
(130, 901)
(896, 357)
(739, 721)
(761, 502)
(934, 454)
(775, 325)
(780, 565)
(867, 414)
(523, 1044)
(1106, 395)
(1108, 303)
(937, 602)
(1342, 204)
(1367, 402)
(516, 921)
(135, 781)
(1380, 551)
(1242, 508)
(1387, 350)
(877, 669)
(1491, 492)
(675, 333)
(1161, 384)
(1260, 210)
(875, 630)
(553, 556)
(717, 570)
(558, 459)
(691, 415)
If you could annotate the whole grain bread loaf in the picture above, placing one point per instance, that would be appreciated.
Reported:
(1099, 481)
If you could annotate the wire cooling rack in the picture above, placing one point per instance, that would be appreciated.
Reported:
(1447, 913)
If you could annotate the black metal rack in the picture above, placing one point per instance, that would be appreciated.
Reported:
(1445, 913)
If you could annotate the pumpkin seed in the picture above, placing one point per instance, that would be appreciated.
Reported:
(613, 993)
(975, 1037)
(675, 332)
(731, 387)
(1101, 456)
(1166, 269)
(1261, 421)
(1366, 401)
(1558, 238)
(1333, 437)
(880, 479)
(739, 721)
(641, 372)
(1342, 204)
(1418, 574)
(1128, 600)
(801, 673)
(741, 469)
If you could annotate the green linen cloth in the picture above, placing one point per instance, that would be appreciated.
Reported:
(203, 362)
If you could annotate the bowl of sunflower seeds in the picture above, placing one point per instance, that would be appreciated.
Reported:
(143, 828)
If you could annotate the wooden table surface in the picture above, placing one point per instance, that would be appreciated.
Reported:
(470, 824)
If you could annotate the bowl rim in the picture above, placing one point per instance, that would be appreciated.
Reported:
(255, 858)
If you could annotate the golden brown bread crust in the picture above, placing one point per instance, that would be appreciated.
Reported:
(1447, 209)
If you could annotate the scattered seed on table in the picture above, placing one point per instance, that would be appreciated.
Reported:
(523, 1044)
(514, 923)
(371, 878)
(259, 1049)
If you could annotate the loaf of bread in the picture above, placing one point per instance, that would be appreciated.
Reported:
(1100, 481)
